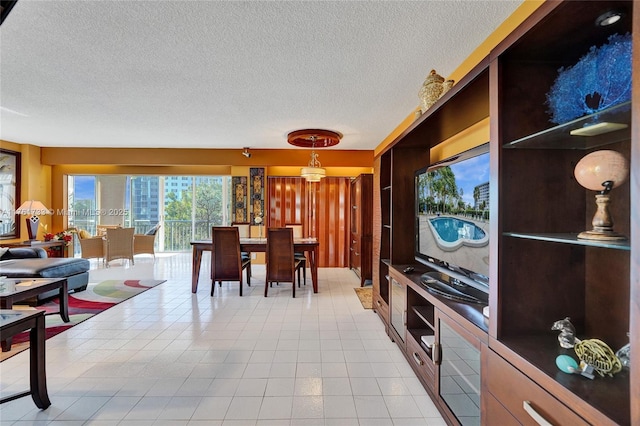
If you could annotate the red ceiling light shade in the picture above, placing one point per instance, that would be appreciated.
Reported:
(314, 138)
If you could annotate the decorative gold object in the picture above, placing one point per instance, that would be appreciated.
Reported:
(599, 355)
(446, 86)
(431, 90)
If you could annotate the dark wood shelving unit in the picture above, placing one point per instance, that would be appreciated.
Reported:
(540, 271)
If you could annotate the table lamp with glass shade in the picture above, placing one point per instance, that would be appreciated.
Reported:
(602, 171)
(32, 208)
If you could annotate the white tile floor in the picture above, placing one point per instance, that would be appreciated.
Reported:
(168, 357)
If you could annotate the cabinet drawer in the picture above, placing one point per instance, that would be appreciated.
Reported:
(381, 307)
(420, 361)
(513, 389)
(493, 413)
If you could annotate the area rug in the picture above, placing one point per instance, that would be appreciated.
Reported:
(97, 298)
(365, 294)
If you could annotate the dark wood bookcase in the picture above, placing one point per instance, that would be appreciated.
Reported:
(540, 271)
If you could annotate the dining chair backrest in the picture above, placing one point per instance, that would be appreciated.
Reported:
(118, 244)
(281, 264)
(226, 262)
(90, 246)
(300, 257)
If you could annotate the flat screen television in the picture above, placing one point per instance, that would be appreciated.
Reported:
(452, 217)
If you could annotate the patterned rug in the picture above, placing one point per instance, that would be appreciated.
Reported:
(97, 298)
(365, 294)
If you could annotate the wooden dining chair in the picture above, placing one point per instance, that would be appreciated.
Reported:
(281, 263)
(244, 229)
(227, 263)
(299, 256)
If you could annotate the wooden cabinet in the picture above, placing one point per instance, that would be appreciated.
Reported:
(521, 397)
(540, 271)
(441, 340)
(54, 248)
(397, 309)
(381, 236)
(361, 235)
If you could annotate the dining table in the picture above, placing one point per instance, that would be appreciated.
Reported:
(256, 245)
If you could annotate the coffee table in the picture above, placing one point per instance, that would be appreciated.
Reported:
(16, 289)
(14, 322)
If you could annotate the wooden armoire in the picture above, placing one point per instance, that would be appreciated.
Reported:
(361, 234)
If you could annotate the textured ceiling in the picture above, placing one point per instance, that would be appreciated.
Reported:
(225, 74)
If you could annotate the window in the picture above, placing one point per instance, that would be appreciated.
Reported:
(144, 201)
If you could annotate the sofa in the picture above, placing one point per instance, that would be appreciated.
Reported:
(33, 262)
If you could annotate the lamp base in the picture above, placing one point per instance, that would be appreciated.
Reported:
(32, 227)
(601, 236)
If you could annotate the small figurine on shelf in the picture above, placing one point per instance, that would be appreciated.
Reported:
(624, 355)
(567, 336)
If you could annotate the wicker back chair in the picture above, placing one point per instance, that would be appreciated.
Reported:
(118, 244)
(145, 243)
(90, 246)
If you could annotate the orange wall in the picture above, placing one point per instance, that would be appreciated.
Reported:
(44, 169)
(207, 157)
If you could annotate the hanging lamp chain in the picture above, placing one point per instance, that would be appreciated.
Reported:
(314, 162)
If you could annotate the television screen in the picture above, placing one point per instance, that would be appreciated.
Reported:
(452, 216)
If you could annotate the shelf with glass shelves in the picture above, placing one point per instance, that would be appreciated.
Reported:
(570, 238)
(560, 137)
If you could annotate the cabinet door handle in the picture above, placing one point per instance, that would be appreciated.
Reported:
(534, 414)
(379, 304)
(435, 353)
(417, 359)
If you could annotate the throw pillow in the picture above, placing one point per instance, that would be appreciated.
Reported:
(153, 230)
(3, 250)
(83, 233)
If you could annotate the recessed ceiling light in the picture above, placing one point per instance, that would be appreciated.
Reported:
(608, 18)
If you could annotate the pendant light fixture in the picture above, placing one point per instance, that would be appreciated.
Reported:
(313, 138)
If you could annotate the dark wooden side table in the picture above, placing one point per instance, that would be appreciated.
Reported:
(16, 289)
(14, 322)
(54, 248)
